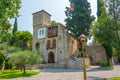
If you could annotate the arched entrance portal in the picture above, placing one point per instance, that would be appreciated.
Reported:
(51, 57)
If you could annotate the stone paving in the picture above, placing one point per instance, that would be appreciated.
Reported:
(95, 73)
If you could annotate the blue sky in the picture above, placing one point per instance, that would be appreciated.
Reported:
(55, 7)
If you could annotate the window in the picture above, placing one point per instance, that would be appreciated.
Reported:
(37, 45)
(40, 33)
(54, 44)
(48, 44)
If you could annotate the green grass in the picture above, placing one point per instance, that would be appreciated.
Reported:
(6, 74)
(113, 79)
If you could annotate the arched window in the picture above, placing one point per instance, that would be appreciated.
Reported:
(54, 44)
(37, 45)
(48, 44)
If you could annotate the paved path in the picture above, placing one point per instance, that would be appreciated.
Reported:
(74, 74)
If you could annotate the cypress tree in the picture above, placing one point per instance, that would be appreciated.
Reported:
(15, 25)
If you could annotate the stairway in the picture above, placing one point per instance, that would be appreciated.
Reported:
(74, 61)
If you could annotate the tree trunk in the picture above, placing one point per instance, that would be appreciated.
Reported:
(3, 66)
(24, 69)
(21, 68)
(111, 62)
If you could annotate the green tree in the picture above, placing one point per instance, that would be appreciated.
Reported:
(103, 31)
(23, 58)
(7, 50)
(15, 26)
(113, 7)
(23, 39)
(79, 19)
(8, 9)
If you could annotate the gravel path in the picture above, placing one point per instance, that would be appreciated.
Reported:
(95, 73)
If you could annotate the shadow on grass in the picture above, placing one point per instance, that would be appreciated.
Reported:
(6, 74)
(95, 78)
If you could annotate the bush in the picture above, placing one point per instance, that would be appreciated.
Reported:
(104, 64)
(2, 58)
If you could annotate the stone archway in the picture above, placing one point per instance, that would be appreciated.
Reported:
(51, 57)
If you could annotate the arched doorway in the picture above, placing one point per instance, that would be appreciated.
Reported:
(51, 57)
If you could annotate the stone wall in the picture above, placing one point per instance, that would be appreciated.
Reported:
(97, 53)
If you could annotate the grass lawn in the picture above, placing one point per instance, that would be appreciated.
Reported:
(114, 79)
(6, 74)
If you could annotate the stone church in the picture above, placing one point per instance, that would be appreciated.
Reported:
(57, 45)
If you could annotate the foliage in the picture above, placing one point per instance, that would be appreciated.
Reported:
(2, 58)
(15, 26)
(113, 12)
(24, 58)
(8, 9)
(5, 37)
(53, 22)
(6, 49)
(104, 32)
(23, 40)
(103, 64)
(79, 19)
(7, 74)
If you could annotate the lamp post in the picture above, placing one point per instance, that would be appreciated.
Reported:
(82, 39)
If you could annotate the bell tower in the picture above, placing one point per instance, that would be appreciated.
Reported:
(41, 20)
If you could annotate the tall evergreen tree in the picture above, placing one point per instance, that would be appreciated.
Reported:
(78, 19)
(100, 4)
(15, 26)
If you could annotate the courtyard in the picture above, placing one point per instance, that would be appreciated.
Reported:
(95, 73)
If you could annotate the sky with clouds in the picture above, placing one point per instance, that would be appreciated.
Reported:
(55, 7)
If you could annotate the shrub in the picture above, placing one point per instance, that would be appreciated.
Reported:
(104, 64)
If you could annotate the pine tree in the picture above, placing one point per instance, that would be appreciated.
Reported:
(78, 19)
(15, 25)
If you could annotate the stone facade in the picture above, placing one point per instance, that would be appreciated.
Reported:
(97, 53)
(56, 44)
